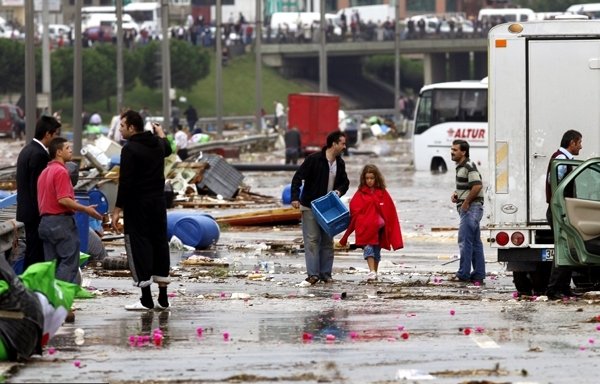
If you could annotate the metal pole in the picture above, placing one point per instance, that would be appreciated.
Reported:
(120, 75)
(30, 96)
(322, 52)
(258, 73)
(397, 62)
(46, 82)
(219, 70)
(77, 80)
(166, 65)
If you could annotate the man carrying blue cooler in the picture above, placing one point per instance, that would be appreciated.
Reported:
(321, 172)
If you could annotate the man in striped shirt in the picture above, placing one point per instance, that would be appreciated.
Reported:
(468, 198)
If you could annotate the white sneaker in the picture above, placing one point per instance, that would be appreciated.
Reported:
(137, 306)
(304, 284)
(372, 276)
(158, 307)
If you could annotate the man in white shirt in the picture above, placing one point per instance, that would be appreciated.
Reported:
(181, 141)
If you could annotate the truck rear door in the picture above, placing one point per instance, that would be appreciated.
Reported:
(563, 93)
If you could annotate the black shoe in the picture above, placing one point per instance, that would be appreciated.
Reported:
(569, 293)
(553, 295)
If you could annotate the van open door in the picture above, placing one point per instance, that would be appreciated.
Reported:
(575, 208)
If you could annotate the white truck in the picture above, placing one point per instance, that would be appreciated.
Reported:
(544, 79)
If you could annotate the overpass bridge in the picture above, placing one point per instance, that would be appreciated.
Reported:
(445, 59)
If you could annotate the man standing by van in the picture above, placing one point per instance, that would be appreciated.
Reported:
(559, 286)
(468, 198)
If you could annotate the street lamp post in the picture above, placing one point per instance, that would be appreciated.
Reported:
(258, 70)
(30, 95)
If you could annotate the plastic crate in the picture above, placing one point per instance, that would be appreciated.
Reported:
(331, 214)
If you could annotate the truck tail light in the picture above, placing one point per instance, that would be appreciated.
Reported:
(517, 238)
(502, 238)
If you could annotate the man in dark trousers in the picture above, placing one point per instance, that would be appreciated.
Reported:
(322, 172)
(293, 145)
(191, 115)
(559, 286)
(32, 160)
(141, 198)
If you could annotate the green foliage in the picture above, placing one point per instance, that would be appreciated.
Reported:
(12, 66)
(189, 64)
(130, 63)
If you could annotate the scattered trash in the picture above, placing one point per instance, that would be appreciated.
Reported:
(77, 363)
(404, 336)
(452, 312)
(239, 296)
(199, 331)
(467, 331)
(225, 336)
(330, 337)
(51, 351)
(307, 336)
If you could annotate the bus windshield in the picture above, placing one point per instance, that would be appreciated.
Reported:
(439, 106)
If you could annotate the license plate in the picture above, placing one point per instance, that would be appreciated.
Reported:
(547, 254)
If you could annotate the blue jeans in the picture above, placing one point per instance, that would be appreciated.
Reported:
(318, 247)
(469, 243)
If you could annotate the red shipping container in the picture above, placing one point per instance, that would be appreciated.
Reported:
(315, 115)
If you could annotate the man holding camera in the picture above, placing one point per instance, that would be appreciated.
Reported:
(141, 198)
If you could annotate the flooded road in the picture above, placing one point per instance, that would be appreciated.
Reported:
(249, 323)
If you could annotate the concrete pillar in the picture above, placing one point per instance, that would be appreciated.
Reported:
(434, 68)
(480, 65)
(459, 66)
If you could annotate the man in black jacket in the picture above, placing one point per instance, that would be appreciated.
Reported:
(141, 198)
(32, 160)
(321, 172)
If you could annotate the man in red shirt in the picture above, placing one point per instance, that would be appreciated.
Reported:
(56, 199)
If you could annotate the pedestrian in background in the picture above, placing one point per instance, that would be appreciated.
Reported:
(374, 218)
(31, 161)
(559, 286)
(468, 198)
(293, 145)
(191, 115)
(141, 199)
(181, 141)
(321, 172)
(56, 199)
(280, 122)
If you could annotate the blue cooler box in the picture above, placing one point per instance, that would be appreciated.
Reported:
(331, 214)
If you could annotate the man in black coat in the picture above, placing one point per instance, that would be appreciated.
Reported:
(32, 160)
(321, 172)
(141, 198)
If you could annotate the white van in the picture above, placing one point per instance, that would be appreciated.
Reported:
(507, 15)
(592, 10)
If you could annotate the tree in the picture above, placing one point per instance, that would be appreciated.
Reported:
(98, 74)
(189, 64)
(12, 66)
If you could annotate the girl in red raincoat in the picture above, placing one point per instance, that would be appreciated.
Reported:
(374, 218)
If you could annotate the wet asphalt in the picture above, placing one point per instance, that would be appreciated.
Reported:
(249, 322)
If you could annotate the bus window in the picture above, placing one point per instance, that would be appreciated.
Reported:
(473, 105)
(446, 104)
(423, 116)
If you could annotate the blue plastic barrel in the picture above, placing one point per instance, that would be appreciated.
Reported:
(99, 199)
(286, 195)
(199, 231)
(174, 216)
(83, 221)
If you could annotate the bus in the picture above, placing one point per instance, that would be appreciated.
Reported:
(446, 112)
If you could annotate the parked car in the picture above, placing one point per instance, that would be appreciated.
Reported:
(11, 120)
(100, 34)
